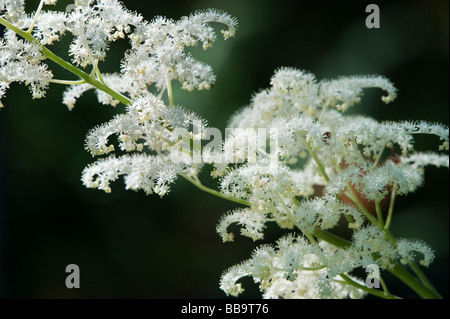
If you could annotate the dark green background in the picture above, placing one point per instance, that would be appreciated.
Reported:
(128, 244)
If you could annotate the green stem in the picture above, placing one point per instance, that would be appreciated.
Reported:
(349, 218)
(332, 238)
(169, 89)
(67, 82)
(374, 292)
(354, 197)
(314, 155)
(424, 290)
(383, 284)
(378, 158)
(423, 279)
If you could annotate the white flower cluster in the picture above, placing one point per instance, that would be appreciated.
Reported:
(157, 54)
(150, 130)
(20, 60)
(318, 166)
(323, 159)
(350, 149)
(292, 269)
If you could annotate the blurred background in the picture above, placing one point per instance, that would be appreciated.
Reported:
(129, 245)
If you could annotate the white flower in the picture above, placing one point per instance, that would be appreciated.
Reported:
(50, 26)
(346, 91)
(406, 249)
(14, 10)
(94, 25)
(252, 222)
(321, 153)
